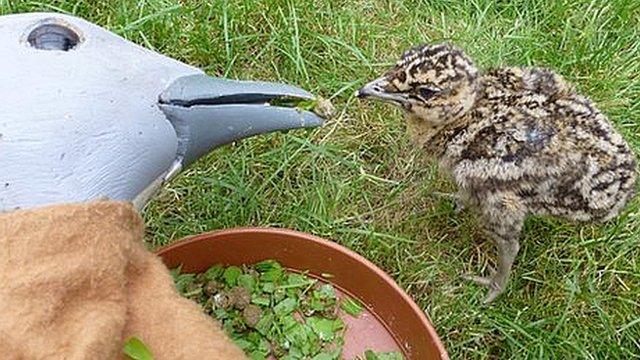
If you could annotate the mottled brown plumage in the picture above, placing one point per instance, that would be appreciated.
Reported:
(516, 141)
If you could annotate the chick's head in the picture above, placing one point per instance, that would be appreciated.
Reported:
(433, 83)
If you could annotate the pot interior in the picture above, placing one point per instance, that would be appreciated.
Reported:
(392, 320)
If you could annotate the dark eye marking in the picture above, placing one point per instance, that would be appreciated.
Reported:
(426, 92)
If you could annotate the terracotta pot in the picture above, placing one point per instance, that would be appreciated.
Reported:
(392, 320)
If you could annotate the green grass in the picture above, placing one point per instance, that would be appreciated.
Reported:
(575, 290)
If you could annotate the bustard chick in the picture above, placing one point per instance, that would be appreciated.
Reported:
(516, 141)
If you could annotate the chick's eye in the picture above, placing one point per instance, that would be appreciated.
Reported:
(427, 93)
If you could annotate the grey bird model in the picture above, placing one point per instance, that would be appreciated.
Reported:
(86, 114)
(516, 141)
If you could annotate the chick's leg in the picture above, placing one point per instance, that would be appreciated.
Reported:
(504, 227)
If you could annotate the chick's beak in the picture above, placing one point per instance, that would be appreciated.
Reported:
(372, 89)
(376, 89)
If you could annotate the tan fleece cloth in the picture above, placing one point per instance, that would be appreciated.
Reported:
(76, 281)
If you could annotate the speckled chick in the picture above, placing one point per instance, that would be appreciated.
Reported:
(516, 141)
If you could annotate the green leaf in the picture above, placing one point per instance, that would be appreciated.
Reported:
(264, 347)
(231, 275)
(260, 300)
(271, 270)
(296, 334)
(323, 356)
(326, 291)
(325, 328)
(308, 105)
(175, 272)
(247, 281)
(267, 265)
(244, 344)
(294, 354)
(214, 272)
(279, 294)
(285, 307)
(135, 349)
(273, 275)
(181, 280)
(316, 304)
(351, 306)
(295, 281)
(265, 324)
(221, 314)
(196, 291)
(289, 357)
(257, 355)
(269, 287)
(293, 102)
(394, 355)
(390, 356)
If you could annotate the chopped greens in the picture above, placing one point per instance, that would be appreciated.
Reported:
(351, 307)
(268, 311)
(231, 275)
(371, 355)
(289, 101)
(322, 107)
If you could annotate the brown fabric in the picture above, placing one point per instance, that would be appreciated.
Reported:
(76, 281)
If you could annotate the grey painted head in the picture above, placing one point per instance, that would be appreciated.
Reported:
(81, 116)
